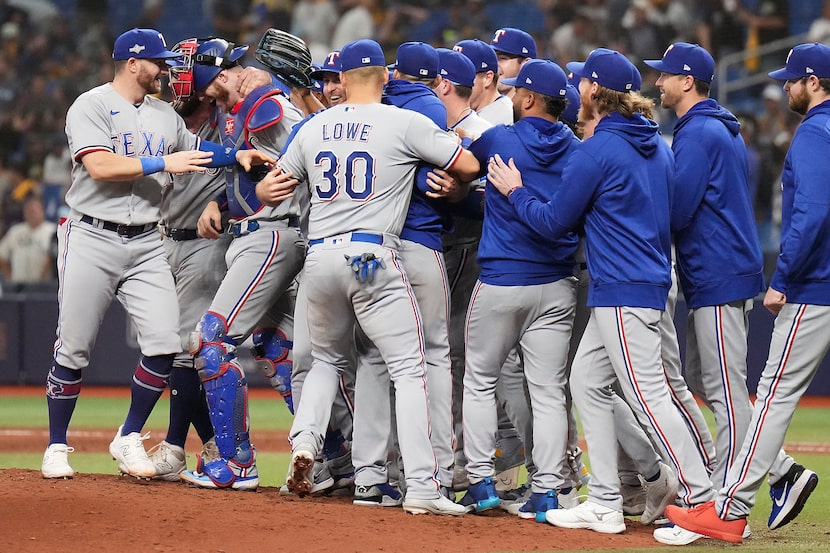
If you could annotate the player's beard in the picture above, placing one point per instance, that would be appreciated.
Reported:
(150, 81)
(586, 108)
(800, 101)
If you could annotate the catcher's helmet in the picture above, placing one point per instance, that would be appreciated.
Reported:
(181, 71)
(211, 57)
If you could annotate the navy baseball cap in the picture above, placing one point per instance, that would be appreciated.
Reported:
(682, 58)
(805, 60)
(141, 44)
(569, 115)
(480, 53)
(542, 76)
(417, 59)
(608, 68)
(330, 65)
(456, 67)
(361, 53)
(516, 42)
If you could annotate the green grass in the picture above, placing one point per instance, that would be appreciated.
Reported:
(810, 532)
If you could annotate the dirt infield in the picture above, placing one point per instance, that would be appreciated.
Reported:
(106, 513)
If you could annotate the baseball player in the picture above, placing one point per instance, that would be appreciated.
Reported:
(622, 179)
(415, 74)
(527, 282)
(486, 99)
(513, 47)
(359, 160)
(714, 198)
(460, 248)
(329, 74)
(122, 141)
(798, 296)
(256, 296)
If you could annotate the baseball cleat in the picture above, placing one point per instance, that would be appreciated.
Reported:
(675, 535)
(379, 495)
(568, 499)
(56, 462)
(170, 460)
(129, 452)
(298, 482)
(480, 496)
(704, 519)
(246, 480)
(538, 505)
(513, 500)
(440, 506)
(634, 499)
(790, 494)
(659, 493)
(588, 515)
(210, 452)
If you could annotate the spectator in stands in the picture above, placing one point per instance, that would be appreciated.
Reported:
(356, 22)
(26, 250)
(820, 29)
(314, 21)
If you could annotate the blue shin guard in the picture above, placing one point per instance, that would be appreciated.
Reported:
(272, 352)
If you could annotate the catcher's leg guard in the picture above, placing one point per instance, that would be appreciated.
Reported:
(271, 351)
(226, 391)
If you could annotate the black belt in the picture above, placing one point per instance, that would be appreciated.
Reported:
(242, 228)
(181, 234)
(127, 231)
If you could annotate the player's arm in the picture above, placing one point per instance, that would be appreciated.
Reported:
(209, 224)
(692, 176)
(109, 166)
(465, 167)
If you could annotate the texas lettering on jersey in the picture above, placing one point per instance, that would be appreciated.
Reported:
(143, 144)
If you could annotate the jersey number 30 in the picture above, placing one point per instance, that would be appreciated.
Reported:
(357, 181)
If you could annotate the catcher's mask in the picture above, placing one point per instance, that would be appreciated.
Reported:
(181, 72)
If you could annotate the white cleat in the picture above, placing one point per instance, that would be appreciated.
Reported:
(170, 460)
(659, 494)
(298, 481)
(129, 452)
(588, 515)
(675, 535)
(56, 462)
(439, 506)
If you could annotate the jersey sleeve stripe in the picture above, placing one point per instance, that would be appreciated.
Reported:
(454, 157)
(89, 149)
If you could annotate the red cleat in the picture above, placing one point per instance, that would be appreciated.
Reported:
(704, 519)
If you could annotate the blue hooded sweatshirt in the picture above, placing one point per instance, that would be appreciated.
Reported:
(511, 251)
(719, 256)
(427, 217)
(619, 184)
(803, 269)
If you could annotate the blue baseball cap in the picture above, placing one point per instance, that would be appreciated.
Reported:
(516, 42)
(330, 65)
(141, 44)
(456, 67)
(361, 53)
(608, 68)
(682, 58)
(542, 76)
(805, 60)
(417, 59)
(569, 115)
(480, 53)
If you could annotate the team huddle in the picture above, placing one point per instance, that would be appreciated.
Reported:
(438, 263)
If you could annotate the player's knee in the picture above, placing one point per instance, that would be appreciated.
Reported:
(213, 348)
(271, 352)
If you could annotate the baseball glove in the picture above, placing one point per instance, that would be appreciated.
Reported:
(286, 56)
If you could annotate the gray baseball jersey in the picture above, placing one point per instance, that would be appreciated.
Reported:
(359, 162)
(498, 112)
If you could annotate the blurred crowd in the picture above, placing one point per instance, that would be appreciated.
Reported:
(45, 62)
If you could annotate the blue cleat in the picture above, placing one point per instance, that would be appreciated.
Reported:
(481, 496)
(538, 505)
(790, 494)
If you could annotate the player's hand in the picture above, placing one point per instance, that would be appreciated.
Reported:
(251, 78)
(249, 158)
(276, 187)
(774, 300)
(187, 161)
(504, 176)
(444, 185)
(210, 221)
(307, 102)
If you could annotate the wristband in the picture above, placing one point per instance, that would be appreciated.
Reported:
(151, 165)
(465, 142)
